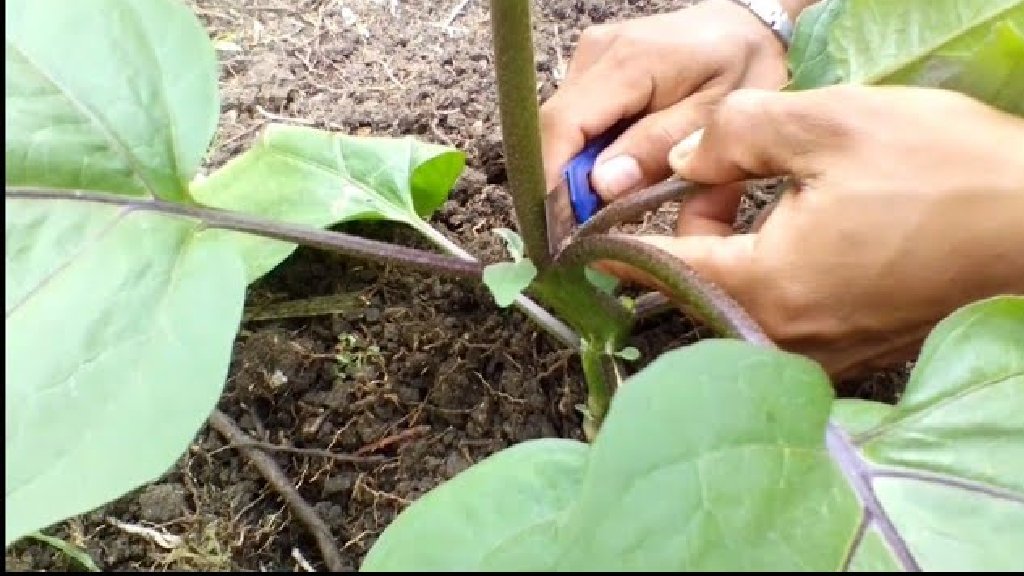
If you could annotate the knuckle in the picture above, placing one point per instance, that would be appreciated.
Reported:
(793, 316)
(598, 35)
(552, 119)
(816, 126)
(738, 108)
(806, 121)
(660, 136)
(742, 102)
(625, 58)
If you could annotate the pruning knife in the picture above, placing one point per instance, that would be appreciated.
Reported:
(573, 201)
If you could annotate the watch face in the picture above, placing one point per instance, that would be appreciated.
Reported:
(773, 15)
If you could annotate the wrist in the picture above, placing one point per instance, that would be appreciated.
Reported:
(774, 15)
(794, 7)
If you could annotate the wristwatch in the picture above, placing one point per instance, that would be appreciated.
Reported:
(773, 15)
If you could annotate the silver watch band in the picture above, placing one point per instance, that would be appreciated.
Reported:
(773, 15)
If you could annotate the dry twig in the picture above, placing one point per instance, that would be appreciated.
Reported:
(227, 427)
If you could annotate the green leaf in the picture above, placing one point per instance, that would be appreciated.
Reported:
(604, 282)
(119, 330)
(629, 354)
(479, 524)
(973, 47)
(810, 59)
(111, 95)
(713, 458)
(719, 456)
(121, 320)
(507, 280)
(513, 243)
(964, 398)
(856, 416)
(667, 488)
(951, 454)
(74, 553)
(307, 176)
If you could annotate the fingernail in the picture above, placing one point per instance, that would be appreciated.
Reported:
(685, 147)
(616, 176)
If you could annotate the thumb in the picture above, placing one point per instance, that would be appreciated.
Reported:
(760, 134)
(639, 156)
(726, 261)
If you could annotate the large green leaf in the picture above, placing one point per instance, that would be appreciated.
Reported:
(112, 95)
(720, 456)
(724, 468)
(949, 460)
(509, 523)
(663, 479)
(119, 327)
(307, 176)
(975, 47)
(120, 319)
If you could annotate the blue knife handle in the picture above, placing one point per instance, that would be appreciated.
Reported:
(585, 202)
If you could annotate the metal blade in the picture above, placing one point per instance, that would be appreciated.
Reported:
(560, 219)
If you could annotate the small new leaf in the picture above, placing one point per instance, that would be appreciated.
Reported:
(629, 354)
(74, 553)
(513, 243)
(507, 280)
(604, 282)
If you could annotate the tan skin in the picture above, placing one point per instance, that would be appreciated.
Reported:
(895, 220)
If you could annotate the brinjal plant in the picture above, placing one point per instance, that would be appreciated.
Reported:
(126, 275)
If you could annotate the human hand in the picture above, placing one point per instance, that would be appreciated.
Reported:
(908, 203)
(673, 68)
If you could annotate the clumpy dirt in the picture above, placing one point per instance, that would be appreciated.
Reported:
(426, 374)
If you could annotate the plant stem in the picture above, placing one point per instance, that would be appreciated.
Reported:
(600, 319)
(512, 34)
(635, 205)
(651, 304)
(598, 392)
(596, 316)
(324, 239)
(461, 265)
(705, 299)
(544, 319)
(604, 374)
(858, 475)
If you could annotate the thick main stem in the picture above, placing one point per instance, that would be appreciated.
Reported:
(511, 27)
(597, 317)
(602, 321)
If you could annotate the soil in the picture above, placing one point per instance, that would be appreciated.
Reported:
(427, 373)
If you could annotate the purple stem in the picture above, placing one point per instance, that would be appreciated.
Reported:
(635, 205)
(858, 474)
(651, 304)
(222, 219)
(708, 301)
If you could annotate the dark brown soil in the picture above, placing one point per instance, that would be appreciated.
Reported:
(427, 372)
